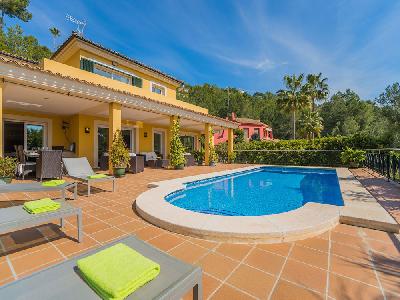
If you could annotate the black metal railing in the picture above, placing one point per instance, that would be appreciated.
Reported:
(385, 162)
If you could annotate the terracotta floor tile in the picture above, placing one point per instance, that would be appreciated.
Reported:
(347, 229)
(265, 261)
(315, 243)
(118, 220)
(352, 253)
(346, 239)
(35, 260)
(281, 249)
(131, 226)
(302, 274)
(324, 235)
(388, 269)
(378, 235)
(210, 284)
(71, 248)
(166, 241)
(310, 256)
(288, 291)
(204, 243)
(95, 227)
(385, 248)
(343, 288)
(148, 232)
(217, 265)
(226, 292)
(107, 235)
(235, 251)
(353, 269)
(188, 252)
(252, 281)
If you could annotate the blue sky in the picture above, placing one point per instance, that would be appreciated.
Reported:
(245, 44)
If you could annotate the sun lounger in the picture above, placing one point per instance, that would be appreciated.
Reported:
(79, 168)
(15, 217)
(38, 187)
(62, 281)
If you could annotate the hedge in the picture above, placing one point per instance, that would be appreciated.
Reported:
(292, 152)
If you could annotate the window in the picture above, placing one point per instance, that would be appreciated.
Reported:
(104, 71)
(188, 143)
(257, 131)
(158, 89)
(29, 135)
(246, 133)
(110, 72)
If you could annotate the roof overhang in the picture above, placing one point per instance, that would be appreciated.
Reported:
(34, 77)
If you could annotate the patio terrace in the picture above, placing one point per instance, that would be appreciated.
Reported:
(345, 263)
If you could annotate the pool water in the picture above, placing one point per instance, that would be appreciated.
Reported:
(261, 191)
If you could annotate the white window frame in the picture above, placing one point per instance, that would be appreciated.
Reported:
(46, 123)
(160, 85)
(112, 68)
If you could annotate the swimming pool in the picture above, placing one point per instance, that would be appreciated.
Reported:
(261, 191)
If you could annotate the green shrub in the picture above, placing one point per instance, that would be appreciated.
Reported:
(177, 150)
(328, 154)
(352, 157)
(119, 153)
(8, 166)
(198, 156)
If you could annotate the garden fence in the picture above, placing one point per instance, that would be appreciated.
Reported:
(385, 162)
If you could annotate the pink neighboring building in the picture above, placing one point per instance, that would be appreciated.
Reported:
(249, 126)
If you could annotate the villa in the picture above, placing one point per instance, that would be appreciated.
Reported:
(248, 230)
(250, 128)
(73, 100)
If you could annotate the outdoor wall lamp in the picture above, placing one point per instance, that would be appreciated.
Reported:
(87, 129)
(145, 134)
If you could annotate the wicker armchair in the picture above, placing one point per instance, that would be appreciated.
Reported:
(136, 163)
(49, 164)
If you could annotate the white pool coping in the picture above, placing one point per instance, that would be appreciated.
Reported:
(312, 219)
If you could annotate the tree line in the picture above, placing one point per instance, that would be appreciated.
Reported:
(303, 105)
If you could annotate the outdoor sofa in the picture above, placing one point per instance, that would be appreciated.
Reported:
(15, 217)
(62, 281)
(79, 168)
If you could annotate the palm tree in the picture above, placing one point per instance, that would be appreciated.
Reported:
(317, 88)
(294, 97)
(311, 124)
(55, 33)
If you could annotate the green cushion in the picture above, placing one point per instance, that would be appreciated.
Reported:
(41, 206)
(53, 182)
(116, 272)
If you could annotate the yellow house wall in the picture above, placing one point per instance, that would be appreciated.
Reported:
(84, 142)
(70, 66)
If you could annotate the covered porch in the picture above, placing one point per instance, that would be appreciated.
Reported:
(41, 109)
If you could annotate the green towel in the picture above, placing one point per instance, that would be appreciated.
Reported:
(53, 183)
(41, 206)
(116, 272)
(97, 176)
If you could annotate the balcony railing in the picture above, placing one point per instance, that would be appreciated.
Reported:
(386, 162)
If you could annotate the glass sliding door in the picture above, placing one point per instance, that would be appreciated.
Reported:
(13, 136)
(29, 135)
(102, 140)
(34, 136)
(158, 143)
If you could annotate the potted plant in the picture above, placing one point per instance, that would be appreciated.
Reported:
(231, 157)
(176, 148)
(8, 166)
(352, 157)
(199, 157)
(119, 155)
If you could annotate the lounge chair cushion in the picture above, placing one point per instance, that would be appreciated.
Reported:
(116, 272)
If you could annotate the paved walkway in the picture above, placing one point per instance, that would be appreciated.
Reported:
(345, 263)
(387, 193)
